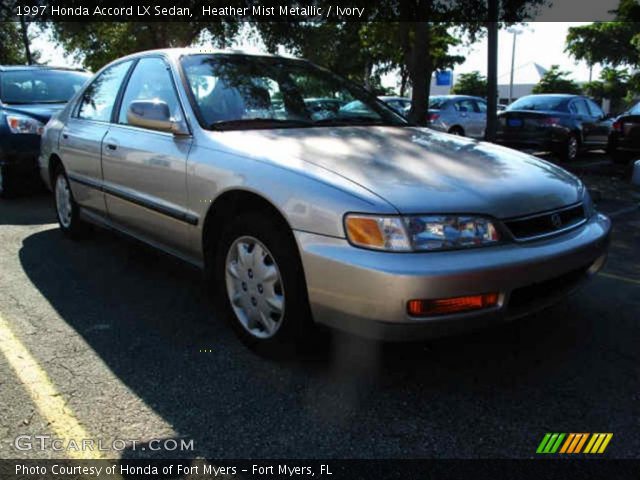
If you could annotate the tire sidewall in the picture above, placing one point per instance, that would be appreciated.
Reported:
(76, 227)
(567, 148)
(279, 241)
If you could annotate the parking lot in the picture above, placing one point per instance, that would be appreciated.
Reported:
(131, 348)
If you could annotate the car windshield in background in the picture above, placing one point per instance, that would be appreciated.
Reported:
(237, 92)
(635, 110)
(539, 103)
(40, 86)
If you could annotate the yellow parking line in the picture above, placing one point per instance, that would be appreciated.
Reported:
(621, 278)
(43, 393)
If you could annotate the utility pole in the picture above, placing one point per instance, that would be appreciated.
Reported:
(515, 33)
(492, 71)
(25, 40)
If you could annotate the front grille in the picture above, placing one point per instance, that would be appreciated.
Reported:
(547, 223)
(525, 296)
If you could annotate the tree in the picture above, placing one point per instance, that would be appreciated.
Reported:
(612, 85)
(556, 81)
(470, 84)
(11, 50)
(610, 43)
(95, 44)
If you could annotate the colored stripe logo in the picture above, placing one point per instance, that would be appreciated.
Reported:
(571, 443)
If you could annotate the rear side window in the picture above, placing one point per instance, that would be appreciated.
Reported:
(482, 107)
(98, 100)
(579, 107)
(150, 80)
(596, 111)
(465, 106)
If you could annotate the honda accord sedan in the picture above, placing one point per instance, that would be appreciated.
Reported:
(354, 220)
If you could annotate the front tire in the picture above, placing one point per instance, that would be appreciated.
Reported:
(67, 210)
(7, 182)
(261, 285)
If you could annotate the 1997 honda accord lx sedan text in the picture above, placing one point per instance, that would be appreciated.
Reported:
(357, 221)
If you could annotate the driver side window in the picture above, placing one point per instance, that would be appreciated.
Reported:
(150, 80)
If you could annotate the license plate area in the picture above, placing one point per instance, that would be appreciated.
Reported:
(515, 122)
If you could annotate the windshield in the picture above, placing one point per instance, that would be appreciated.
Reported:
(635, 110)
(40, 86)
(240, 91)
(539, 102)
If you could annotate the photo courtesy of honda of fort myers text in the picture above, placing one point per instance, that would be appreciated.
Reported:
(325, 239)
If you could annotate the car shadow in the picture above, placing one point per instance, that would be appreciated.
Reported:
(33, 209)
(150, 320)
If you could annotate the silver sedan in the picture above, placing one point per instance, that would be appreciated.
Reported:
(458, 114)
(352, 219)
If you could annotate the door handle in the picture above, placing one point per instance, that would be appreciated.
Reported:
(111, 146)
(65, 136)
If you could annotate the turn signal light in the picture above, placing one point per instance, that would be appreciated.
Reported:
(445, 306)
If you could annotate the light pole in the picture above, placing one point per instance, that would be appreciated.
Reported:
(515, 33)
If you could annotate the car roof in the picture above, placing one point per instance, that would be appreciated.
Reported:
(393, 97)
(176, 53)
(457, 97)
(14, 68)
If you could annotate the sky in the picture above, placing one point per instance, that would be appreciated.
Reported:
(538, 42)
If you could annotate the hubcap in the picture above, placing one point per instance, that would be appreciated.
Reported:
(254, 287)
(63, 201)
(573, 147)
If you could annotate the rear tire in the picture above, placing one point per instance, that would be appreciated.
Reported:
(570, 149)
(67, 210)
(261, 286)
(458, 131)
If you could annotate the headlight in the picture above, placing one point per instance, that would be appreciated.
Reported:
(420, 233)
(23, 124)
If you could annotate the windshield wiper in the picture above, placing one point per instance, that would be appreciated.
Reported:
(258, 123)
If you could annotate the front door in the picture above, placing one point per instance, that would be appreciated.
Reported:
(145, 170)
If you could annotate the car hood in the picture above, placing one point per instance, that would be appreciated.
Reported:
(40, 111)
(419, 170)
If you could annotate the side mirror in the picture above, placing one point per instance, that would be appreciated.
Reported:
(154, 115)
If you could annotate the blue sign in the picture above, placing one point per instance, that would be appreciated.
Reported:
(444, 78)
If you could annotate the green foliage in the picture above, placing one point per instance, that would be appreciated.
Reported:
(610, 43)
(470, 84)
(556, 81)
(95, 44)
(613, 85)
(11, 47)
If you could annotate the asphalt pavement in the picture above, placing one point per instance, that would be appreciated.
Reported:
(132, 349)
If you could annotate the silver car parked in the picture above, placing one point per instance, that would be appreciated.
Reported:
(458, 114)
(353, 220)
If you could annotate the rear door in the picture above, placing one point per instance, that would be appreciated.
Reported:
(81, 138)
(578, 107)
(144, 169)
(602, 125)
(481, 116)
(465, 109)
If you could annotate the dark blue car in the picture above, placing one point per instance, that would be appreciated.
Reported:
(29, 96)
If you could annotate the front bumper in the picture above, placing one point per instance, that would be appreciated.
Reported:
(20, 152)
(366, 292)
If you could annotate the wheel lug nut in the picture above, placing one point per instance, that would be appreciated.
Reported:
(250, 273)
(254, 302)
(244, 286)
(260, 289)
